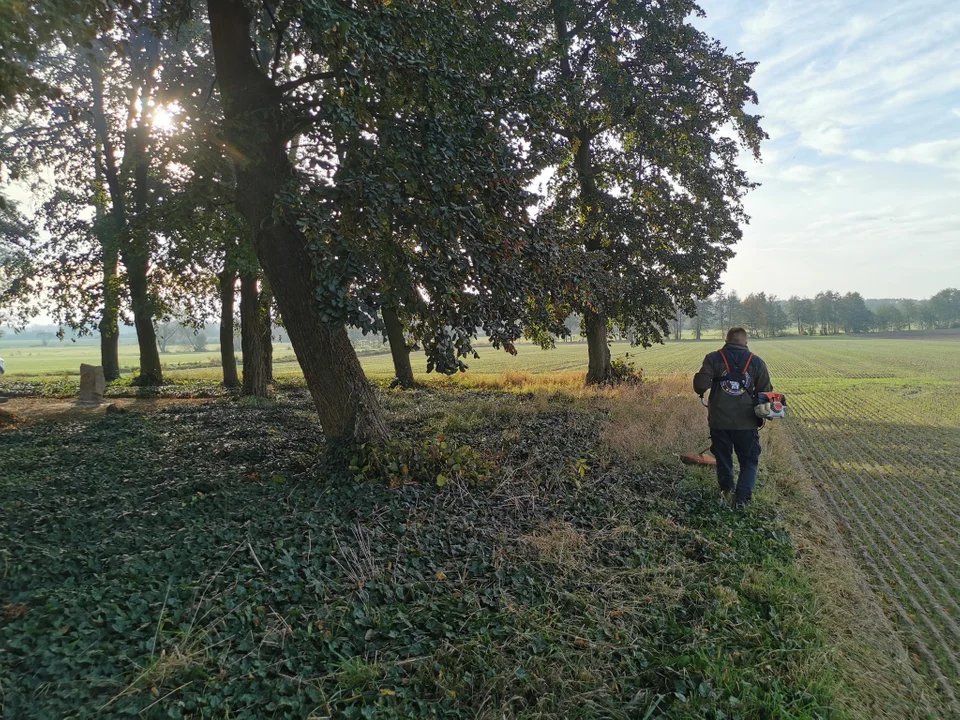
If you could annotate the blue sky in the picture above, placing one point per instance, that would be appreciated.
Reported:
(861, 175)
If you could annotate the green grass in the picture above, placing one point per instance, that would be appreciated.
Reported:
(28, 359)
(791, 358)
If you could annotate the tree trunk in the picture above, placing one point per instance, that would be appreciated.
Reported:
(109, 328)
(110, 349)
(254, 113)
(599, 369)
(132, 248)
(228, 358)
(398, 348)
(136, 258)
(598, 352)
(151, 372)
(252, 338)
(266, 347)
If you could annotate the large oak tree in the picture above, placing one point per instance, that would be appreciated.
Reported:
(643, 118)
(407, 189)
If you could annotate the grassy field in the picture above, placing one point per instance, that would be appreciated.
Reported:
(30, 359)
(814, 357)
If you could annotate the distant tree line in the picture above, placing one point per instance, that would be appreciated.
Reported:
(827, 313)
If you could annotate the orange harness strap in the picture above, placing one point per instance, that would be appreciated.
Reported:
(727, 363)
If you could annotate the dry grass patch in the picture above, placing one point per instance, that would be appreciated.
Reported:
(169, 667)
(656, 421)
(661, 525)
(8, 420)
(568, 383)
(559, 543)
(360, 564)
(726, 597)
(521, 381)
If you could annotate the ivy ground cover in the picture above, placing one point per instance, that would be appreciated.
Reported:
(212, 560)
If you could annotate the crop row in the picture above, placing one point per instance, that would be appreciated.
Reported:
(797, 358)
(901, 466)
(889, 479)
(859, 359)
(811, 359)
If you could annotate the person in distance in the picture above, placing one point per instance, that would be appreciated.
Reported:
(734, 376)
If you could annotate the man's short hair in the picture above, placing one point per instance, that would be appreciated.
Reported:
(737, 336)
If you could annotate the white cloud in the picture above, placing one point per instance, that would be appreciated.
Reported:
(860, 178)
(939, 153)
(944, 154)
(799, 173)
(832, 74)
(826, 138)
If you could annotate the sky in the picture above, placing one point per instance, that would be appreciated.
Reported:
(861, 174)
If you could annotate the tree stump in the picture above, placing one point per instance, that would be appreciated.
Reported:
(92, 384)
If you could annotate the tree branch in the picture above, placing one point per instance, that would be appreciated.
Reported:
(590, 17)
(281, 32)
(568, 134)
(312, 77)
(209, 94)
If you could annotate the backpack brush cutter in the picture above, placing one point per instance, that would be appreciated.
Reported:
(770, 406)
(704, 457)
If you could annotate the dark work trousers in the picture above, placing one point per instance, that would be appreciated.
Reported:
(746, 443)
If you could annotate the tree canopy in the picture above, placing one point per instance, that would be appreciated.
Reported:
(381, 159)
(16, 264)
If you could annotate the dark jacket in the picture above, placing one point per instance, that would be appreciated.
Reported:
(730, 412)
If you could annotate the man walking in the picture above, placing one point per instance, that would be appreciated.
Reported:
(734, 376)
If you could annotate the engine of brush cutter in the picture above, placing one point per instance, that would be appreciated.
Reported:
(770, 405)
